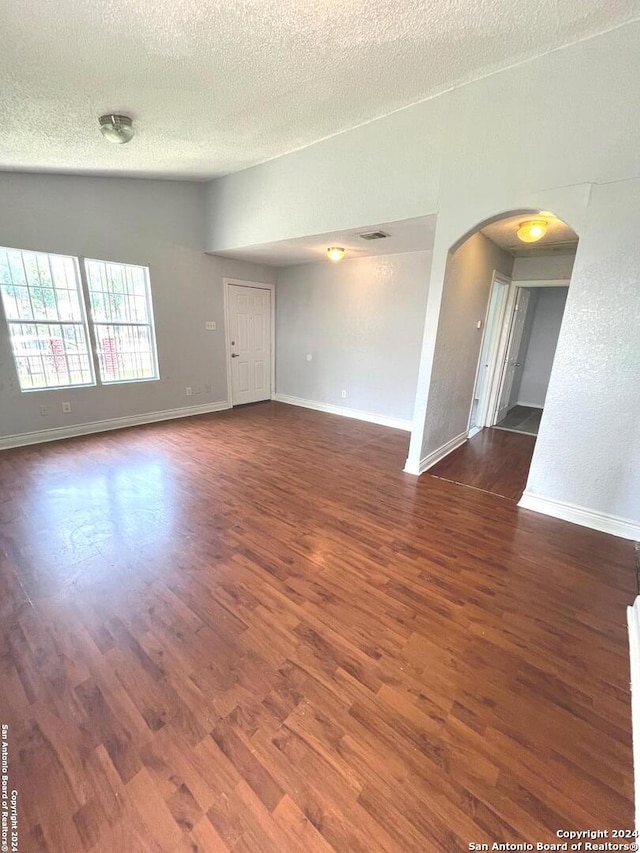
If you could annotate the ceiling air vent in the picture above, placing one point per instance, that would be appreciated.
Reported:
(373, 235)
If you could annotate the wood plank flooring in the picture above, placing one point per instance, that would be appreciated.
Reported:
(494, 461)
(252, 632)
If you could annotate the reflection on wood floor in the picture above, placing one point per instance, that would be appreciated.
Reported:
(251, 631)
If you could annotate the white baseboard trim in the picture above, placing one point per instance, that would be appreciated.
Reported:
(633, 622)
(529, 405)
(43, 435)
(613, 524)
(411, 467)
(343, 411)
(435, 456)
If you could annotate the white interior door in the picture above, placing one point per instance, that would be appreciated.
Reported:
(513, 348)
(250, 341)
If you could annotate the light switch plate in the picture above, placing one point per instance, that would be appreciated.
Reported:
(210, 325)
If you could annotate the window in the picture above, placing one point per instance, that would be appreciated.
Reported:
(42, 298)
(52, 338)
(122, 316)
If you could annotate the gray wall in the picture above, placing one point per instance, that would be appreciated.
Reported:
(544, 267)
(468, 278)
(158, 223)
(361, 320)
(538, 351)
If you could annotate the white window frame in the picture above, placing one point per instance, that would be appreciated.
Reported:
(93, 322)
(84, 322)
(89, 324)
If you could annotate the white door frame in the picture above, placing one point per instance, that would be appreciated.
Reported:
(542, 282)
(260, 285)
(501, 353)
(503, 279)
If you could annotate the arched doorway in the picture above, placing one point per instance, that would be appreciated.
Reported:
(505, 289)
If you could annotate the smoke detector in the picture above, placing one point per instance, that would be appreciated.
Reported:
(116, 128)
(373, 235)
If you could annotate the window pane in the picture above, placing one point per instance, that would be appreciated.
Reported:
(17, 305)
(125, 353)
(16, 267)
(5, 269)
(41, 295)
(49, 355)
(121, 310)
(119, 293)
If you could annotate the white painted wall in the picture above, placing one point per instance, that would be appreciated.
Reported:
(448, 151)
(539, 349)
(573, 151)
(468, 278)
(588, 449)
(389, 167)
(158, 223)
(361, 320)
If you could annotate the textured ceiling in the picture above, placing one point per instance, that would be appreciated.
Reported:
(559, 237)
(218, 85)
(407, 235)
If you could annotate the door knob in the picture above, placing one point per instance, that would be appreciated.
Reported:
(235, 355)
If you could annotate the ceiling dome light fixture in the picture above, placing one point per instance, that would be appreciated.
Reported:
(532, 230)
(335, 253)
(116, 128)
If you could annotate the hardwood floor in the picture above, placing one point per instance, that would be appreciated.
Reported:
(252, 632)
(494, 461)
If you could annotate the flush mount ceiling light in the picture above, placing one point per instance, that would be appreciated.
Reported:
(335, 253)
(532, 230)
(116, 128)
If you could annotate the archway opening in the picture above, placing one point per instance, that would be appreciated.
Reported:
(505, 289)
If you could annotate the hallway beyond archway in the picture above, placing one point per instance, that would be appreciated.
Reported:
(494, 460)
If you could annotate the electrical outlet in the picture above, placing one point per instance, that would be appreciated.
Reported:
(343, 393)
(44, 411)
(66, 408)
(188, 391)
(210, 326)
